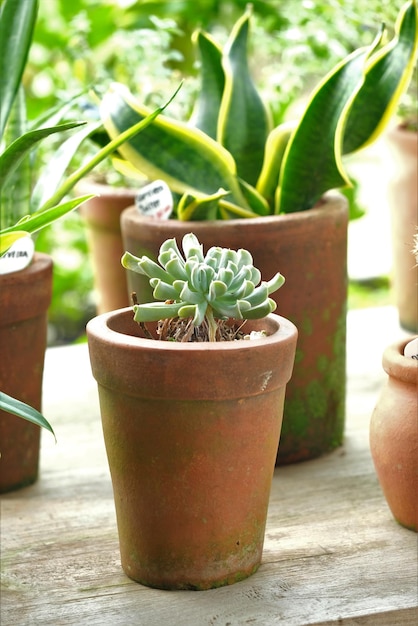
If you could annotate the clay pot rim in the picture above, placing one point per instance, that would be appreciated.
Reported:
(331, 201)
(397, 365)
(277, 327)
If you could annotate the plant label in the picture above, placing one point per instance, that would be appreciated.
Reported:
(155, 200)
(18, 256)
(411, 349)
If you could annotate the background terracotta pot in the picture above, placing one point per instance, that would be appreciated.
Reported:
(191, 433)
(394, 435)
(25, 298)
(310, 249)
(403, 203)
(102, 218)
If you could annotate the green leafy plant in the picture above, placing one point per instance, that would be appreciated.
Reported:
(221, 285)
(227, 161)
(45, 202)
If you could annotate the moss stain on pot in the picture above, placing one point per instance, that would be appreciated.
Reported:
(316, 400)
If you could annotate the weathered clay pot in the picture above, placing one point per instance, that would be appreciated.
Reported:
(191, 433)
(403, 203)
(102, 219)
(310, 249)
(25, 297)
(394, 435)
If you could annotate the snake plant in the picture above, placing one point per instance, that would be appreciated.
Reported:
(23, 214)
(222, 284)
(227, 161)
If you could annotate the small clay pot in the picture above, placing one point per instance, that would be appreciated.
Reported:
(191, 433)
(25, 298)
(394, 435)
(102, 219)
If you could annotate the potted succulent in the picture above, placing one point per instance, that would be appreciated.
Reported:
(191, 391)
(239, 183)
(26, 278)
(394, 434)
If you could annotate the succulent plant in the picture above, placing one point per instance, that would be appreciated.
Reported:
(220, 285)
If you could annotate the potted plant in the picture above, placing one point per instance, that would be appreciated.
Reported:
(26, 278)
(191, 392)
(239, 184)
(393, 432)
(402, 142)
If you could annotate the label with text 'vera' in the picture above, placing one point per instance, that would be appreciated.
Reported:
(18, 256)
(155, 200)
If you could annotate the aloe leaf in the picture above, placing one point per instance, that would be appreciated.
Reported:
(56, 167)
(311, 165)
(16, 407)
(212, 81)
(16, 151)
(17, 21)
(243, 123)
(388, 73)
(184, 157)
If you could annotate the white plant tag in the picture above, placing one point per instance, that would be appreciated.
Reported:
(155, 200)
(18, 256)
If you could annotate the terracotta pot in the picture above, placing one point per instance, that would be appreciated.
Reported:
(394, 435)
(102, 218)
(403, 203)
(25, 298)
(191, 433)
(310, 250)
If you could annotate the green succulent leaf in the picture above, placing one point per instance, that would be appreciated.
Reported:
(223, 283)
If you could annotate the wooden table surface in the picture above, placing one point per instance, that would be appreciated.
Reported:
(333, 553)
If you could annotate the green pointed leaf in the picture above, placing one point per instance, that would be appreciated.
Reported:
(276, 145)
(243, 123)
(212, 81)
(16, 407)
(154, 311)
(13, 155)
(53, 173)
(8, 239)
(311, 166)
(40, 219)
(17, 22)
(191, 208)
(388, 74)
(185, 158)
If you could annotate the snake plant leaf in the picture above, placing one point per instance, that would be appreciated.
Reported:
(16, 407)
(256, 201)
(388, 73)
(190, 208)
(17, 22)
(311, 166)
(187, 159)
(16, 151)
(243, 123)
(212, 82)
(229, 210)
(276, 144)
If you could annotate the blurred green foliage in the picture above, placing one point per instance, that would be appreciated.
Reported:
(81, 45)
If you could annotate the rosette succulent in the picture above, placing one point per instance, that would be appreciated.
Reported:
(220, 285)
